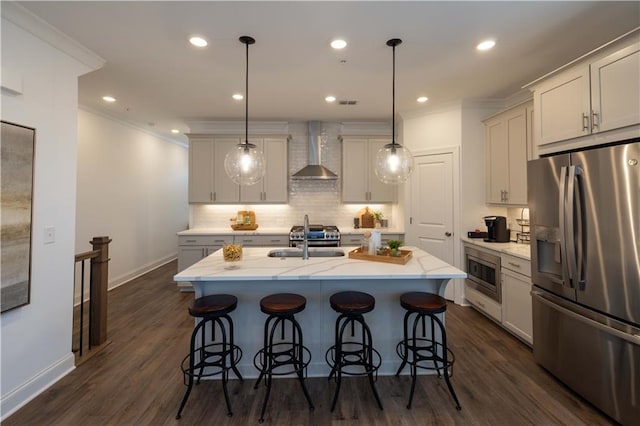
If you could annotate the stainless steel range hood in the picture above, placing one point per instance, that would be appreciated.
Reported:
(315, 169)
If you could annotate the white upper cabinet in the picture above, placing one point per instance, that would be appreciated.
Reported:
(208, 182)
(564, 105)
(594, 100)
(273, 187)
(507, 136)
(359, 181)
(615, 90)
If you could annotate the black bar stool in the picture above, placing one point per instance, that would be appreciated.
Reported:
(279, 357)
(425, 352)
(353, 358)
(219, 354)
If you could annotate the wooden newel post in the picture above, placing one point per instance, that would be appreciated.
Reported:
(99, 283)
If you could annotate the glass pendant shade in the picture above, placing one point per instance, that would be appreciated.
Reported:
(394, 164)
(245, 164)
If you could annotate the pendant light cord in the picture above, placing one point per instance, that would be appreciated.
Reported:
(393, 43)
(246, 102)
(393, 96)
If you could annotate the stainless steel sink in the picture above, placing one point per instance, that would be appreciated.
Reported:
(313, 252)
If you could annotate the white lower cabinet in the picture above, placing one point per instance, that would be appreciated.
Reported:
(517, 315)
(483, 303)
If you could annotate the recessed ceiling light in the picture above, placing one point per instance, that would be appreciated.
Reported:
(238, 96)
(175, 131)
(486, 45)
(108, 99)
(338, 44)
(330, 99)
(198, 41)
(422, 99)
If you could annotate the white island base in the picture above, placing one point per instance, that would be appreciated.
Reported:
(257, 276)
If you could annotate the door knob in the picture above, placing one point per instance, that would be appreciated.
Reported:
(448, 234)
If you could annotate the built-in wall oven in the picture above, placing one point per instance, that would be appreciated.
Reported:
(483, 272)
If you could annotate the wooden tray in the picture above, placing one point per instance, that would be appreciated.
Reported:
(243, 227)
(361, 254)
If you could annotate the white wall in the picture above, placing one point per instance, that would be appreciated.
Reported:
(36, 338)
(132, 187)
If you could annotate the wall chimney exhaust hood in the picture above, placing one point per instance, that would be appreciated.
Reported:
(315, 170)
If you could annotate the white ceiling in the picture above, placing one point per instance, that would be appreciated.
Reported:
(162, 82)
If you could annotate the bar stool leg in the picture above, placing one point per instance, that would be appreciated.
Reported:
(414, 363)
(192, 346)
(406, 344)
(369, 346)
(297, 330)
(231, 350)
(264, 354)
(445, 356)
(338, 360)
(267, 372)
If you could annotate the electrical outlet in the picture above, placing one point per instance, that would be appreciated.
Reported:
(49, 235)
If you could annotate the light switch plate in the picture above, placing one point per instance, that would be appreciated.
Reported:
(49, 235)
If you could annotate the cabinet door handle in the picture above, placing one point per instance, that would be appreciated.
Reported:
(595, 119)
(190, 241)
(448, 234)
(585, 122)
(515, 265)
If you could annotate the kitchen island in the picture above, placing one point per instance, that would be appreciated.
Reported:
(317, 278)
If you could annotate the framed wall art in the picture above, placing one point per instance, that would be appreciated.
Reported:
(17, 145)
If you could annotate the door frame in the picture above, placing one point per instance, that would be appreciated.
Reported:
(458, 284)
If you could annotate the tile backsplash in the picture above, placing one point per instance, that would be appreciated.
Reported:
(321, 200)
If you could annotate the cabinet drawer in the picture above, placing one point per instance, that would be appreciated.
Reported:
(483, 303)
(203, 240)
(262, 240)
(516, 264)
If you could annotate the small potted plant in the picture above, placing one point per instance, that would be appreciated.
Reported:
(378, 217)
(394, 247)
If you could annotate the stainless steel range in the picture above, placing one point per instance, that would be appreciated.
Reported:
(318, 236)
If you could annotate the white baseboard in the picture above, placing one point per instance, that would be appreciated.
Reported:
(125, 278)
(20, 396)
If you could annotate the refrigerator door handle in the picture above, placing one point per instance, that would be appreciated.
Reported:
(570, 243)
(631, 338)
(566, 277)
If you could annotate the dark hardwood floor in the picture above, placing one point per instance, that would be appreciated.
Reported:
(136, 379)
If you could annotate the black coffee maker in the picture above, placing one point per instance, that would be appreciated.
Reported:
(497, 231)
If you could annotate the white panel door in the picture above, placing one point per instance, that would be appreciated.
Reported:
(431, 224)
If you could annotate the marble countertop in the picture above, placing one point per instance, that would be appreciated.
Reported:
(515, 249)
(257, 266)
(275, 231)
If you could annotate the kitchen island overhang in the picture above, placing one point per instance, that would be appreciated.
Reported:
(317, 278)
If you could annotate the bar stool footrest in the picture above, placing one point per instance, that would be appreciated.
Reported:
(283, 358)
(414, 357)
(352, 358)
(206, 365)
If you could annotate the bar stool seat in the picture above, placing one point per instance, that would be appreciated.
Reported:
(279, 356)
(353, 357)
(216, 356)
(425, 352)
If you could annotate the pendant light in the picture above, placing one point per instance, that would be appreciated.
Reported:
(245, 164)
(394, 162)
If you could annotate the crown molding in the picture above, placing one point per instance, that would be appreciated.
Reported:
(237, 127)
(372, 128)
(40, 28)
(132, 125)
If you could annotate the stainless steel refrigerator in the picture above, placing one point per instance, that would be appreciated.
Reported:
(585, 267)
